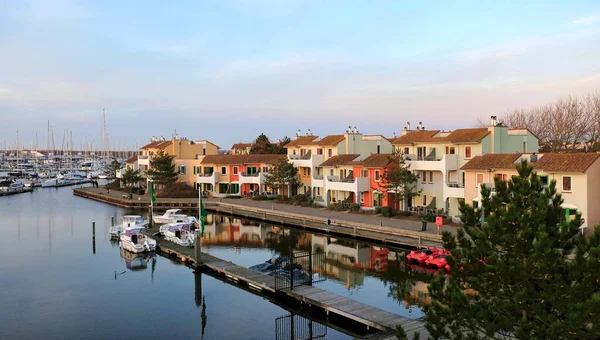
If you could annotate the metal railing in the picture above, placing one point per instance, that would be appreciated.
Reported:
(244, 174)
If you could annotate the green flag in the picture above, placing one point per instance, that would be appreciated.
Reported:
(202, 216)
(151, 189)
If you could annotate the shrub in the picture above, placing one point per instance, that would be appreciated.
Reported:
(430, 218)
(407, 213)
(178, 190)
(354, 207)
(378, 210)
(387, 211)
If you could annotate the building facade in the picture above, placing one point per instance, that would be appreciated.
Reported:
(437, 157)
(577, 177)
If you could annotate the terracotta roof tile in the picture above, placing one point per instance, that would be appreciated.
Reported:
(305, 140)
(377, 160)
(493, 161)
(416, 136)
(132, 160)
(566, 162)
(347, 159)
(330, 140)
(242, 159)
(431, 136)
(157, 145)
(547, 162)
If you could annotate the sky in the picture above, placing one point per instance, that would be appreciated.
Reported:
(227, 71)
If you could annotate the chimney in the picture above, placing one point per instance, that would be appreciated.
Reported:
(533, 158)
(407, 126)
(404, 131)
(309, 132)
(493, 121)
(349, 129)
(420, 127)
(297, 134)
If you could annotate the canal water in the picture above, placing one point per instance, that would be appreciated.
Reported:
(56, 284)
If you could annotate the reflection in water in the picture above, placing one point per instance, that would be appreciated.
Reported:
(19, 229)
(292, 327)
(200, 301)
(137, 261)
(348, 262)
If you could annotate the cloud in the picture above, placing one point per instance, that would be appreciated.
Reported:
(589, 20)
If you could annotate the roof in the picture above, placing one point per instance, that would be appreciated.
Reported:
(241, 145)
(548, 162)
(430, 136)
(242, 159)
(157, 145)
(416, 136)
(491, 161)
(305, 140)
(330, 140)
(380, 160)
(566, 162)
(132, 160)
(347, 159)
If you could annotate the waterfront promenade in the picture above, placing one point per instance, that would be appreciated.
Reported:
(335, 216)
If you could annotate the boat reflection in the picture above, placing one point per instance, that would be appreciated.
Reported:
(137, 261)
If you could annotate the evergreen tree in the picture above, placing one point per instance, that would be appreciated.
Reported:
(399, 180)
(535, 275)
(282, 174)
(131, 177)
(262, 145)
(162, 169)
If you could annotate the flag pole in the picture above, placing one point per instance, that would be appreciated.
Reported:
(197, 246)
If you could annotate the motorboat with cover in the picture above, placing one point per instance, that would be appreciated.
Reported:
(178, 233)
(128, 221)
(135, 240)
(174, 216)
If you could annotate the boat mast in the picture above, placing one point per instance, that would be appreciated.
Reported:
(105, 135)
(17, 150)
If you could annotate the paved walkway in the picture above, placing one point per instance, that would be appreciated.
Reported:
(340, 215)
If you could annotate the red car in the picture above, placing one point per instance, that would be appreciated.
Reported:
(439, 260)
(420, 255)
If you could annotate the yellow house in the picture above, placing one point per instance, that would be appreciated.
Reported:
(187, 155)
(577, 177)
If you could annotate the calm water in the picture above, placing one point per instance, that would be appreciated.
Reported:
(53, 286)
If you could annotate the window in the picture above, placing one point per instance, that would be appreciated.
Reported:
(223, 170)
(450, 150)
(376, 175)
(204, 151)
(330, 172)
(475, 204)
(502, 177)
(195, 170)
(146, 167)
(362, 197)
(544, 180)
(566, 183)
(467, 152)
(423, 176)
(265, 169)
(479, 179)
(319, 151)
(378, 149)
(329, 152)
(235, 170)
(183, 169)
(424, 200)
(430, 176)
(365, 173)
(251, 170)
(406, 151)
(223, 188)
(304, 171)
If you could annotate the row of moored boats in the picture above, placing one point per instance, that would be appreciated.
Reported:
(176, 227)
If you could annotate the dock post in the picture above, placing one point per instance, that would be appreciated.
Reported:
(112, 221)
(197, 247)
(94, 237)
(310, 267)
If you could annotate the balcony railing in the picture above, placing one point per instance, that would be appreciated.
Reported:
(206, 175)
(412, 157)
(304, 157)
(319, 177)
(455, 185)
(143, 156)
(244, 174)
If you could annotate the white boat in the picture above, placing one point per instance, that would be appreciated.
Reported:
(135, 240)
(174, 216)
(8, 185)
(178, 233)
(103, 176)
(166, 217)
(92, 175)
(128, 222)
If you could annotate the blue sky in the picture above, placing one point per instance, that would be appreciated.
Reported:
(229, 70)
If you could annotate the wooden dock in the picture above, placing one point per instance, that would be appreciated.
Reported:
(6, 193)
(313, 297)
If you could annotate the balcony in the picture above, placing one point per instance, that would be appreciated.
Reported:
(317, 181)
(143, 157)
(356, 185)
(256, 178)
(306, 161)
(432, 163)
(454, 190)
(208, 178)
